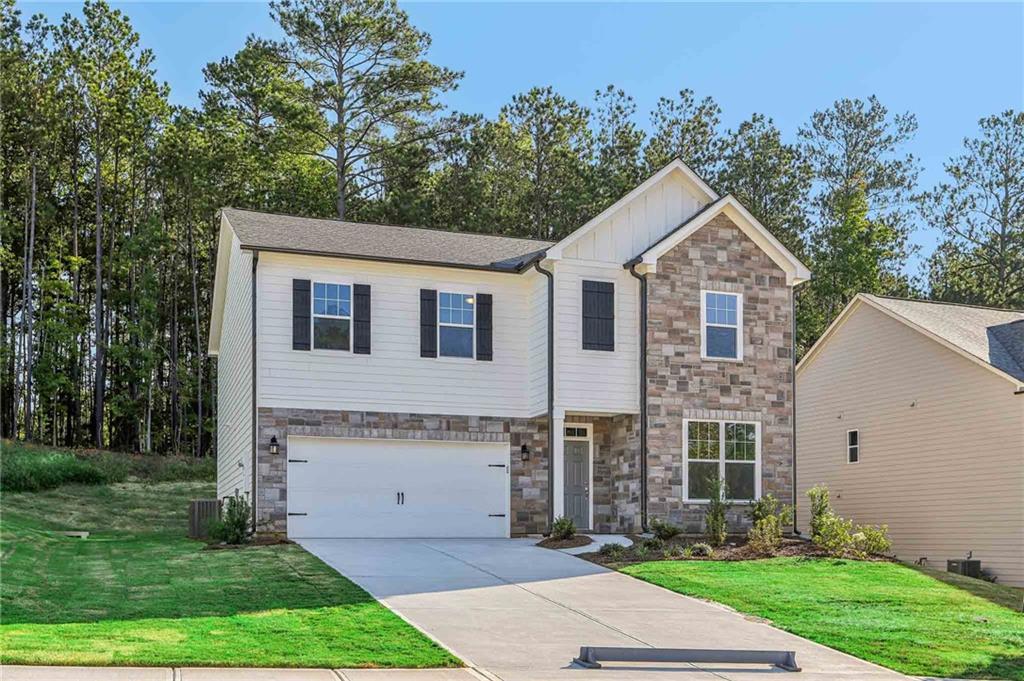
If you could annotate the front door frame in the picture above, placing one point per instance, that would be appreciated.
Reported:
(589, 439)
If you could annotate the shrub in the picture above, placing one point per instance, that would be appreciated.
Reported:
(613, 551)
(563, 528)
(715, 525)
(765, 536)
(820, 507)
(700, 549)
(654, 544)
(641, 551)
(663, 530)
(834, 535)
(672, 551)
(233, 526)
(869, 540)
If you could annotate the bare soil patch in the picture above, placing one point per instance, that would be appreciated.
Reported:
(571, 543)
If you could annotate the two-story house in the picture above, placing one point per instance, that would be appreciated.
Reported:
(387, 381)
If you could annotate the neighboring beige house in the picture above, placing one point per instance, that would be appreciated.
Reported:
(912, 412)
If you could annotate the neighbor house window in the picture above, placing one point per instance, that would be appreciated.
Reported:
(852, 446)
(726, 451)
(332, 316)
(721, 325)
(455, 324)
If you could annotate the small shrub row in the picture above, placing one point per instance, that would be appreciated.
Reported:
(563, 528)
(839, 537)
(233, 525)
(768, 520)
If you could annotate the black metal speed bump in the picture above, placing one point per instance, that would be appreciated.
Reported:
(592, 656)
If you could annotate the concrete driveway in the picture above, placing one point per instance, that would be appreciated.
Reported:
(517, 612)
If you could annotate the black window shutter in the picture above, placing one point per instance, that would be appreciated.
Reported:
(428, 322)
(300, 314)
(361, 319)
(598, 315)
(484, 327)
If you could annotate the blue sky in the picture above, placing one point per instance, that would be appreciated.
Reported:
(948, 63)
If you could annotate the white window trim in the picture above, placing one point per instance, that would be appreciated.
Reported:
(313, 315)
(589, 439)
(721, 458)
(704, 327)
(615, 320)
(459, 292)
(850, 448)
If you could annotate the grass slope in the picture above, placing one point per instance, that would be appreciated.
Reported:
(887, 613)
(137, 592)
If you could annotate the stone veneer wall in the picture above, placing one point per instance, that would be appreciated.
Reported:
(529, 479)
(681, 385)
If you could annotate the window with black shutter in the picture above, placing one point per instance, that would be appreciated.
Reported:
(428, 322)
(300, 314)
(598, 315)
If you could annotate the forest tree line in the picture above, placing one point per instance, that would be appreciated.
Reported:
(108, 212)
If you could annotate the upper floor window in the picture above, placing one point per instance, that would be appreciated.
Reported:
(852, 446)
(332, 316)
(723, 455)
(456, 324)
(721, 327)
(598, 315)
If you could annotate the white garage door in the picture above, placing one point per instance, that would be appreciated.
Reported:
(397, 488)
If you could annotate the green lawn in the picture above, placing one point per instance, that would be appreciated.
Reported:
(887, 613)
(137, 592)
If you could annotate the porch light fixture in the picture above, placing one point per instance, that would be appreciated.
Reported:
(525, 452)
(273, 445)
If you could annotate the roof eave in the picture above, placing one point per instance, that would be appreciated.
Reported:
(518, 269)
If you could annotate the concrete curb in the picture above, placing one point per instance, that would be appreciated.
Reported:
(33, 673)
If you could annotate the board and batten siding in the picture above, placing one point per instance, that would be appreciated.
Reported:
(394, 377)
(234, 375)
(941, 444)
(637, 225)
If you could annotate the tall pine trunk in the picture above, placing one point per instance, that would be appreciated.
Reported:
(101, 345)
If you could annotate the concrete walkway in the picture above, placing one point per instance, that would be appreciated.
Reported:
(599, 540)
(517, 612)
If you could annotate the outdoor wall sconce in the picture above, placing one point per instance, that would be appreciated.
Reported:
(274, 448)
(525, 452)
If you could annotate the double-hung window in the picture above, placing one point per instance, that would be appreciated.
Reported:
(332, 316)
(719, 452)
(721, 327)
(456, 324)
(852, 446)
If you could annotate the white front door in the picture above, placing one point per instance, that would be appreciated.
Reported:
(339, 487)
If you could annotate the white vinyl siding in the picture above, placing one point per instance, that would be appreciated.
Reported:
(234, 375)
(588, 380)
(393, 377)
(945, 469)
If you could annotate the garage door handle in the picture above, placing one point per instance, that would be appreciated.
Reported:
(298, 460)
(495, 515)
(298, 514)
(400, 498)
(495, 465)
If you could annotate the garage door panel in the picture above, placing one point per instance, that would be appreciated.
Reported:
(350, 488)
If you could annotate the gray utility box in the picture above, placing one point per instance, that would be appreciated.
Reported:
(965, 567)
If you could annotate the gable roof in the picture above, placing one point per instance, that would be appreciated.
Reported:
(367, 241)
(796, 271)
(990, 337)
(674, 166)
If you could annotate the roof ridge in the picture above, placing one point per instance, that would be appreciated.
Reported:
(943, 302)
(388, 224)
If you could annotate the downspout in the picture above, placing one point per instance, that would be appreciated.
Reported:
(255, 422)
(793, 298)
(551, 392)
(642, 278)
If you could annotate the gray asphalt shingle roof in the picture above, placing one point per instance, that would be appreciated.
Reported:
(992, 335)
(320, 236)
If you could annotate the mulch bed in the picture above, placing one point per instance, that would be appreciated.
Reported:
(258, 541)
(734, 549)
(578, 540)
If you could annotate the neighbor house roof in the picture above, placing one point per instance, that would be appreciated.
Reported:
(367, 241)
(991, 337)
